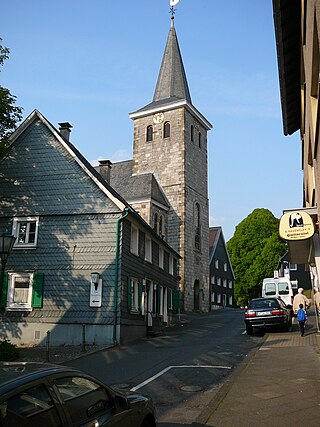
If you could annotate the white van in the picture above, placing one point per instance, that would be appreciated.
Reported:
(279, 288)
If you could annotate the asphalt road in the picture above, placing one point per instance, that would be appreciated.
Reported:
(183, 369)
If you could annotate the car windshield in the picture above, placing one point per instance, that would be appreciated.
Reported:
(263, 303)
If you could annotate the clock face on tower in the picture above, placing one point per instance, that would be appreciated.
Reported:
(158, 118)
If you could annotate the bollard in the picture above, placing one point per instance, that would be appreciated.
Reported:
(48, 346)
(83, 338)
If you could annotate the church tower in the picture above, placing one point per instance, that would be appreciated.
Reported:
(170, 141)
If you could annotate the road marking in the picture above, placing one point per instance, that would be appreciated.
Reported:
(174, 367)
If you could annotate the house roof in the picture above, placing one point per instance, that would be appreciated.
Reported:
(136, 187)
(287, 16)
(88, 169)
(215, 233)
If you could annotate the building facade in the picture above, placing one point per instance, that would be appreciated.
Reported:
(170, 148)
(297, 29)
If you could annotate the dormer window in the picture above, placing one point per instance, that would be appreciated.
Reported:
(166, 130)
(149, 133)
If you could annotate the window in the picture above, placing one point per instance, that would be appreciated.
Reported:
(161, 226)
(22, 291)
(26, 232)
(213, 280)
(218, 298)
(197, 239)
(161, 257)
(199, 140)
(219, 281)
(270, 288)
(85, 400)
(148, 249)
(134, 295)
(192, 133)
(225, 267)
(171, 264)
(31, 407)
(149, 133)
(216, 263)
(224, 283)
(155, 222)
(166, 130)
(230, 300)
(292, 266)
(230, 284)
(134, 242)
(212, 297)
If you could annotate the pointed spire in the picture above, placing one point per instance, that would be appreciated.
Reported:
(172, 80)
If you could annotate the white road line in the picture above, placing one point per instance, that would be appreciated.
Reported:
(174, 367)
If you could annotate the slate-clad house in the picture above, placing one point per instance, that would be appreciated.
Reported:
(83, 255)
(221, 272)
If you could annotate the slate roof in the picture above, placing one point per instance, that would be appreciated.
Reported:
(214, 234)
(135, 187)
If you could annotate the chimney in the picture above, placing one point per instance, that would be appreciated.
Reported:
(65, 130)
(104, 169)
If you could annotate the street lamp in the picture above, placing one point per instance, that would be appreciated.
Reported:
(6, 245)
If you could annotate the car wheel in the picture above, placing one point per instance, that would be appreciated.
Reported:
(249, 330)
(149, 421)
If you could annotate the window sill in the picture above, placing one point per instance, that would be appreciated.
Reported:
(19, 309)
(18, 247)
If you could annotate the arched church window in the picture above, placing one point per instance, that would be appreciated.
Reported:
(161, 226)
(155, 222)
(192, 133)
(197, 221)
(149, 133)
(166, 130)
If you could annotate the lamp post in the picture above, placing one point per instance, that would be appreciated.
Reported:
(6, 245)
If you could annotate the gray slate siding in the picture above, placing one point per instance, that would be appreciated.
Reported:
(135, 266)
(41, 177)
(69, 249)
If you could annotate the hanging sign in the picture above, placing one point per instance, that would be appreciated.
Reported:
(296, 225)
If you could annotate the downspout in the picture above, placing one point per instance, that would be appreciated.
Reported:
(116, 277)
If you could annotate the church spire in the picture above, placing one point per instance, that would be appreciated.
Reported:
(172, 81)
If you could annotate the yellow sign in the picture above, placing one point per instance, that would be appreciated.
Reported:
(296, 225)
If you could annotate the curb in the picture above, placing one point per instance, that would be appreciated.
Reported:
(223, 391)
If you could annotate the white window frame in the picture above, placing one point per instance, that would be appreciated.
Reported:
(148, 249)
(161, 257)
(16, 306)
(224, 283)
(134, 295)
(216, 263)
(225, 267)
(134, 240)
(292, 266)
(213, 280)
(230, 284)
(17, 221)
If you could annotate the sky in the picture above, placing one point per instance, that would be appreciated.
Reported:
(93, 62)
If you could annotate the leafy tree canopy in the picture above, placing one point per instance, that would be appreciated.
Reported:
(10, 114)
(255, 250)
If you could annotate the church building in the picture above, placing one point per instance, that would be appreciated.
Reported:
(167, 179)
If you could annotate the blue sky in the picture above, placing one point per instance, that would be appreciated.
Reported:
(92, 63)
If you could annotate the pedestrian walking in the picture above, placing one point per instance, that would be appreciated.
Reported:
(302, 318)
(300, 299)
(316, 296)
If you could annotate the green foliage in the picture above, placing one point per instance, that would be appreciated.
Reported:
(255, 250)
(8, 351)
(10, 114)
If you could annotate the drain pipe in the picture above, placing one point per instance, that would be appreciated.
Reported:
(116, 277)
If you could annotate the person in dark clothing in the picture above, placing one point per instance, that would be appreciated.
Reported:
(302, 317)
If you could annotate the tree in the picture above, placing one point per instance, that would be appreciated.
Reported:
(10, 114)
(255, 250)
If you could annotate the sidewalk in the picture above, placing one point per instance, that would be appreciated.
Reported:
(277, 385)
